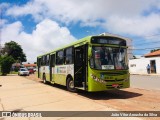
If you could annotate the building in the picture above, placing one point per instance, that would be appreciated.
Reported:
(153, 54)
(30, 65)
(16, 66)
(138, 66)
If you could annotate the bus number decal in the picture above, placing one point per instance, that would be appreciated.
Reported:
(97, 79)
(70, 69)
(107, 67)
(61, 70)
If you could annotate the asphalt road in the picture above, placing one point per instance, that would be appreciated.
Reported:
(149, 82)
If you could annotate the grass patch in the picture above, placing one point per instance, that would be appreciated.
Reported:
(13, 72)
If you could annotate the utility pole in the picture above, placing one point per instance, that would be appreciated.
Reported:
(0, 32)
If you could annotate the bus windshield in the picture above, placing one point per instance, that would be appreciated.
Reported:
(109, 58)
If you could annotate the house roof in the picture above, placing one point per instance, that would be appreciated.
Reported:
(152, 54)
(29, 65)
(16, 64)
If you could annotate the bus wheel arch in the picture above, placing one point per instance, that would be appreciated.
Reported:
(70, 83)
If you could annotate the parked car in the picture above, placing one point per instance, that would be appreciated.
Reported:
(31, 70)
(23, 71)
(35, 69)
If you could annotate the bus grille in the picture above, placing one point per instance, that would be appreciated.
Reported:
(119, 80)
(116, 73)
(111, 87)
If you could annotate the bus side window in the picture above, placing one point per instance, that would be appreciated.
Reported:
(52, 60)
(69, 56)
(43, 60)
(47, 59)
(38, 62)
(59, 57)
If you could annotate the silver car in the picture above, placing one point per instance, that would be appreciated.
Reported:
(23, 71)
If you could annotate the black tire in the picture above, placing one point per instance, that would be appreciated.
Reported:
(70, 85)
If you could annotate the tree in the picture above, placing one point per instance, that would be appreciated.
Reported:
(14, 49)
(6, 64)
(134, 57)
(154, 50)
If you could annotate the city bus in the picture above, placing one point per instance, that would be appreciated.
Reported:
(93, 63)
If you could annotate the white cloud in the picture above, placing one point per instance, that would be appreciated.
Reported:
(11, 31)
(3, 22)
(82, 10)
(116, 15)
(47, 36)
(141, 26)
(4, 6)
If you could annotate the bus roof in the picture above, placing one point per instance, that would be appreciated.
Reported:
(83, 40)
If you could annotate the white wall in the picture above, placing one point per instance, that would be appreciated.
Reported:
(138, 66)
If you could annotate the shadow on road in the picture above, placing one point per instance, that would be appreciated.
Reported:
(10, 75)
(104, 95)
(111, 94)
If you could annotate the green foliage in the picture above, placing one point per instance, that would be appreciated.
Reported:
(14, 49)
(16, 69)
(6, 64)
(13, 72)
(134, 57)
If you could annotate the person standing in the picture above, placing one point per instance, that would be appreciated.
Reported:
(148, 69)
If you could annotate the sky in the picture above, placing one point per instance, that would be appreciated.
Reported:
(40, 26)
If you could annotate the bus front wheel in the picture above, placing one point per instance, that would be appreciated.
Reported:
(70, 85)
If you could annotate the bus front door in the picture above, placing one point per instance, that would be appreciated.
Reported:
(39, 67)
(52, 64)
(80, 67)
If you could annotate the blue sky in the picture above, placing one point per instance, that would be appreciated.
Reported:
(42, 25)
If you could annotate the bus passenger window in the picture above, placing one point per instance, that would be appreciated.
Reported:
(47, 60)
(59, 58)
(52, 60)
(69, 56)
(43, 61)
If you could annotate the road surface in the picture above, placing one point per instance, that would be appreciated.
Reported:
(30, 94)
(150, 82)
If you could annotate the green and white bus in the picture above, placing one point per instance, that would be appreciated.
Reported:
(94, 63)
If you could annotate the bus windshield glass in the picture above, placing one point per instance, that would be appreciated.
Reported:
(109, 58)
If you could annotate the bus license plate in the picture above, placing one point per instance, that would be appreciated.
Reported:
(115, 85)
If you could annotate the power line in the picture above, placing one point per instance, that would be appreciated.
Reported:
(147, 43)
(144, 48)
(152, 35)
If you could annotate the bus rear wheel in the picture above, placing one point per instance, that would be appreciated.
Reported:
(70, 85)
